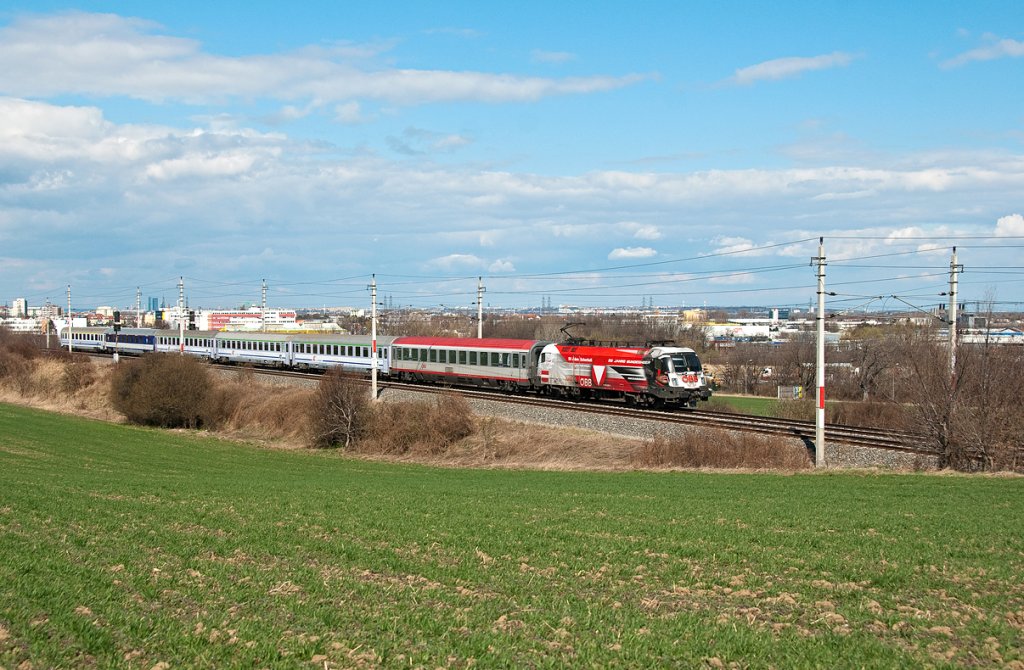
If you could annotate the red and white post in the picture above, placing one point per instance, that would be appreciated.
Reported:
(819, 423)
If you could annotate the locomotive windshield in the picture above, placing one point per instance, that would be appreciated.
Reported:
(685, 361)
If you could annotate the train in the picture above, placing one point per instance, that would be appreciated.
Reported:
(656, 376)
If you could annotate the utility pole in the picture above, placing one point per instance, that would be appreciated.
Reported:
(819, 423)
(263, 308)
(69, 319)
(181, 315)
(373, 337)
(954, 269)
(138, 307)
(480, 307)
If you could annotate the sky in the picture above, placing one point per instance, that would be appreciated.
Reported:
(660, 153)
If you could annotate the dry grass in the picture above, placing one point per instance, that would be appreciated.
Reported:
(512, 444)
(253, 411)
(419, 428)
(721, 449)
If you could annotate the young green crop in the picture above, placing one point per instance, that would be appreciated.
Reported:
(126, 547)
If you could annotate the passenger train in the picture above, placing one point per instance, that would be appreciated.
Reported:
(659, 376)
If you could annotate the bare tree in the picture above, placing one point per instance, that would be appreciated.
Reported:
(870, 352)
(341, 410)
(971, 415)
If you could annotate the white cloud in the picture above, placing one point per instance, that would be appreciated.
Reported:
(573, 230)
(998, 48)
(782, 68)
(73, 184)
(741, 245)
(457, 262)
(631, 253)
(643, 232)
(420, 142)
(108, 55)
(349, 113)
(202, 165)
(556, 57)
(501, 266)
(1010, 226)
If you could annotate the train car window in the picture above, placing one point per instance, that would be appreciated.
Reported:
(423, 355)
(495, 359)
(515, 360)
(442, 356)
(433, 355)
(472, 358)
(504, 360)
(462, 358)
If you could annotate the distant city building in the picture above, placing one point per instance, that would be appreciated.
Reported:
(23, 325)
(19, 310)
(245, 319)
(153, 304)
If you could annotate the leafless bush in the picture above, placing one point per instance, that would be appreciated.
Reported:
(720, 449)
(14, 370)
(23, 345)
(868, 414)
(340, 410)
(164, 390)
(419, 427)
(79, 372)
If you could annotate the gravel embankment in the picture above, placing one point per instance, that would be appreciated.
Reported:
(836, 455)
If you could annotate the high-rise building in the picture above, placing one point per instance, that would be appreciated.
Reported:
(20, 308)
(153, 304)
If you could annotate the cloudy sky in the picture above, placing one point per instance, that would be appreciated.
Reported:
(668, 153)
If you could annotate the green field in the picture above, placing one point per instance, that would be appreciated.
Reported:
(124, 547)
(748, 404)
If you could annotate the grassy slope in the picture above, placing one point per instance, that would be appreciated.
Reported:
(129, 547)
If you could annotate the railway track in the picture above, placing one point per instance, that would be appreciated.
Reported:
(873, 438)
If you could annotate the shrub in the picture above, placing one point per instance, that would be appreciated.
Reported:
(163, 390)
(23, 345)
(419, 427)
(15, 371)
(78, 373)
(340, 410)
